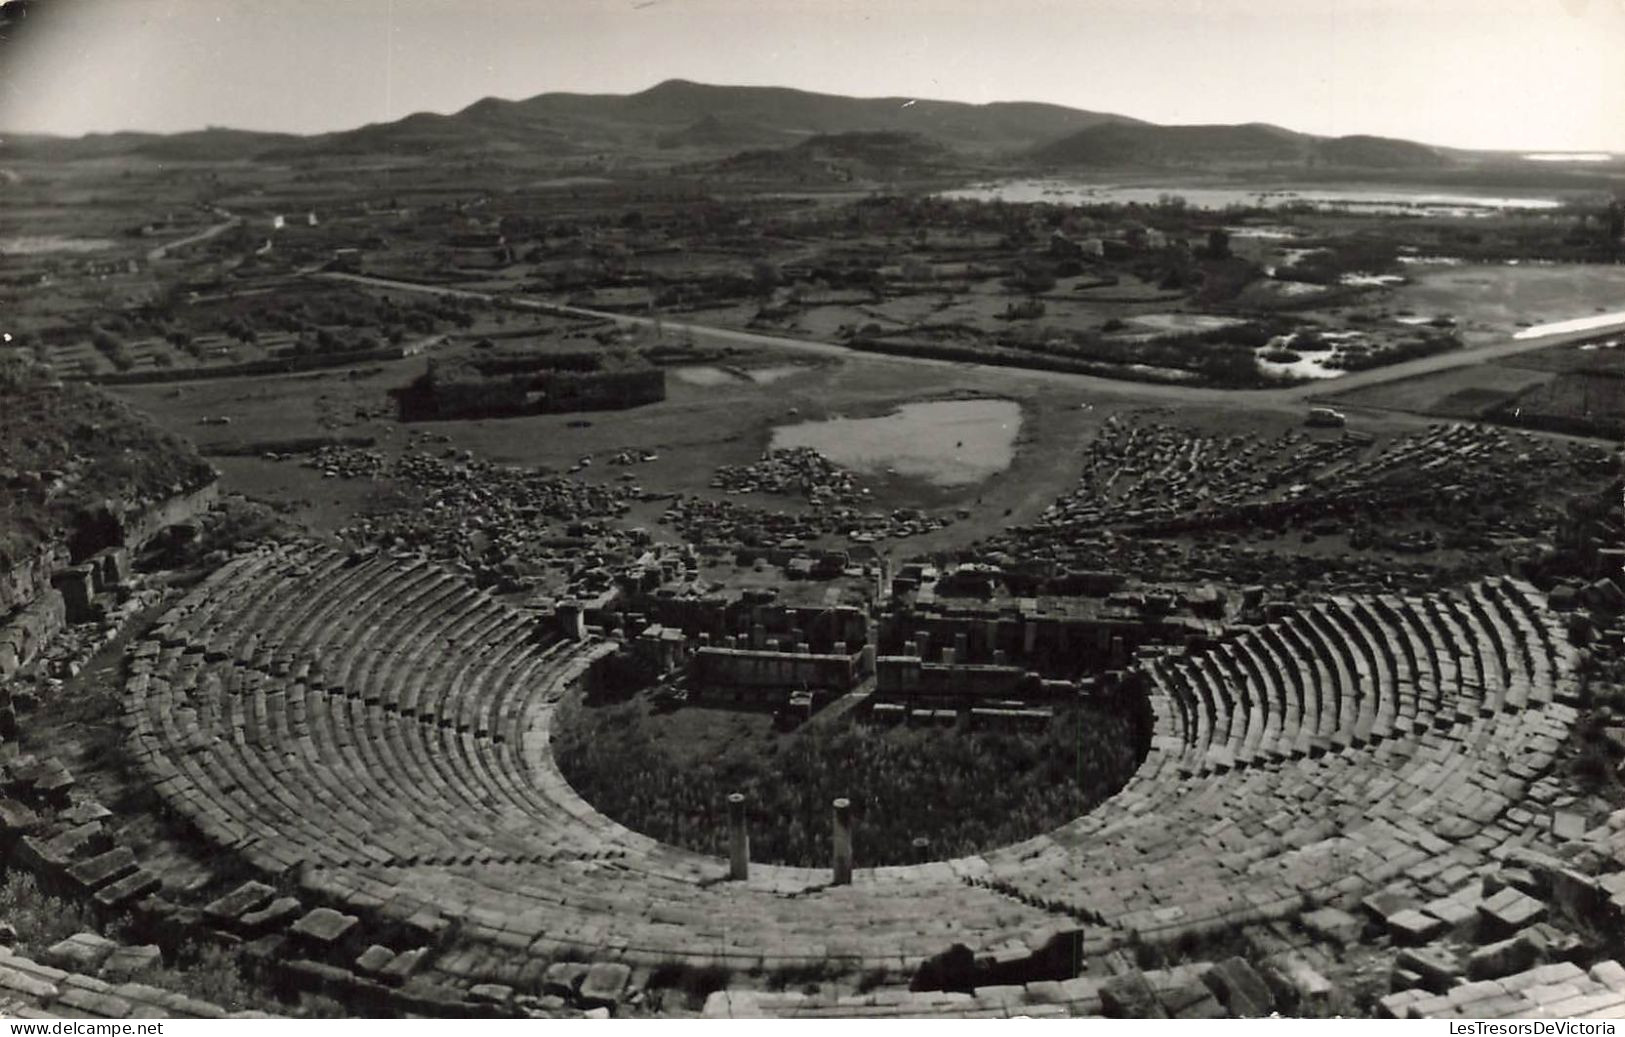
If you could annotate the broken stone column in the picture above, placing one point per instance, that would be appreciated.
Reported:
(116, 567)
(923, 639)
(738, 838)
(843, 842)
(962, 647)
(572, 620)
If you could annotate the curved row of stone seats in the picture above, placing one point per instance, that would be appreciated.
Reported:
(33, 990)
(1420, 756)
(1561, 990)
(381, 730)
(396, 752)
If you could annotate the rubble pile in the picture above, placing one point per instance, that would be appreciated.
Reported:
(796, 471)
(507, 528)
(703, 521)
(343, 462)
(1455, 497)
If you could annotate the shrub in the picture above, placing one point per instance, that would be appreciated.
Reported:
(966, 790)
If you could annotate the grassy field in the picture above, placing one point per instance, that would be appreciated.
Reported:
(1463, 392)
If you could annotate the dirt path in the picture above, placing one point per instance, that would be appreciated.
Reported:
(155, 254)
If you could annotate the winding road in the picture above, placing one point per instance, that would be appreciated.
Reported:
(229, 221)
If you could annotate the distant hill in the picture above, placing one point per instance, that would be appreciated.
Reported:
(714, 132)
(211, 145)
(1379, 153)
(1250, 144)
(845, 157)
(705, 121)
(678, 113)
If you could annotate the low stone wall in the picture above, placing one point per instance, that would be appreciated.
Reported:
(908, 675)
(734, 667)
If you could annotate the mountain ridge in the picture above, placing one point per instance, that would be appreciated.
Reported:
(690, 117)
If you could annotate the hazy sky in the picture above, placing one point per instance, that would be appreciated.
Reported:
(1536, 74)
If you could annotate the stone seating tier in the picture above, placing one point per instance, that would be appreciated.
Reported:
(381, 730)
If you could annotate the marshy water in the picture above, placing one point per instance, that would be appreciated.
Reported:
(943, 442)
(1375, 202)
(39, 244)
(1596, 322)
(712, 375)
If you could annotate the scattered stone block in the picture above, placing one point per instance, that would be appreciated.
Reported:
(1240, 989)
(1410, 927)
(563, 977)
(1404, 979)
(91, 1003)
(1554, 944)
(1502, 958)
(16, 818)
(1333, 926)
(84, 840)
(324, 926)
(491, 993)
(1610, 974)
(1510, 910)
(81, 952)
(1457, 914)
(372, 960)
(1129, 996)
(1436, 965)
(1521, 879)
(276, 914)
(85, 811)
(1567, 825)
(103, 868)
(129, 889)
(1382, 904)
(127, 962)
(401, 967)
(243, 899)
(1190, 1000)
(604, 984)
(1397, 1004)
(18, 982)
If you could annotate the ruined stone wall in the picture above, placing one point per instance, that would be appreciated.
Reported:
(29, 630)
(1048, 643)
(733, 667)
(142, 524)
(719, 617)
(907, 675)
(31, 611)
(24, 582)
